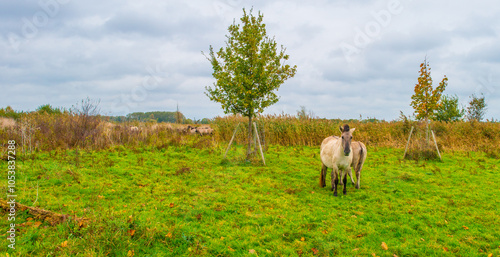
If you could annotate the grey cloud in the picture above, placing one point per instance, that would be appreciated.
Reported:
(107, 49)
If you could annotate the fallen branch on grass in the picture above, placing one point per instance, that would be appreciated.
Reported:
(40, 214)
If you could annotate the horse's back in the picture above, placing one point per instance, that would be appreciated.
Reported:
(359, 153)
(328, 140)
(327, 151)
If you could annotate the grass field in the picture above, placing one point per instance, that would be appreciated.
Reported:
(186, 200)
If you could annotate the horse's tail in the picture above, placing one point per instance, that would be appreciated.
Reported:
(362, 157)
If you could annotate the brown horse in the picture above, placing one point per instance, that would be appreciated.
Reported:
(336, 154)
(359, 153)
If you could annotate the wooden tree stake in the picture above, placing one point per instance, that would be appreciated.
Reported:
(232, 138)
(408, 142)
(260, 146)
(435, 143)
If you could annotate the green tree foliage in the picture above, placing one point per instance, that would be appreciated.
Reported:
(248, 70)
(48, 109)
(448, 110)
(476, 108)
(8, 112)
(426, 98)
(155, 116)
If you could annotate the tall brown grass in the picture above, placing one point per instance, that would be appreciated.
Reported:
(44, 132)
(68, 131)
(292, 131)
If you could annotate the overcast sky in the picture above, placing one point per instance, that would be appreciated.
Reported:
(353, 57)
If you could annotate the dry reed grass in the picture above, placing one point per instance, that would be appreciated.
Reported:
(66, 131)
(292, 131)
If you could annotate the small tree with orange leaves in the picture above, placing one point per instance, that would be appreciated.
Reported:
(426, 99)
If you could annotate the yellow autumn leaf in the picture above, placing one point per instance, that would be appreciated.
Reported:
(130, 253)
(64, 244)
(384, 246)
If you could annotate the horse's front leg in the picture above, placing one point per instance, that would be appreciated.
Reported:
(343, 173)
(322, 177)
(345, 181)
(335, 180)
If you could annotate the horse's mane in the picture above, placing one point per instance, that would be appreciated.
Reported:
(346, 128)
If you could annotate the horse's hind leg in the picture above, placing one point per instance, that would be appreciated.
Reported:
(358, 176)
(335, 182)
(322, 177)
(350, 175)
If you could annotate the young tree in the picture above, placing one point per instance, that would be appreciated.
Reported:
(476, 108)
(303, 114)
(248, 70)
(426, 98)
(448, 110)
(87, 119)
(179, 117)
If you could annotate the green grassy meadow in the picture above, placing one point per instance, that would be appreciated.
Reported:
(185, 200)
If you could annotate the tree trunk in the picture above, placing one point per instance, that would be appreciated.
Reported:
(427, 132)
(249, 149)
(43, 215)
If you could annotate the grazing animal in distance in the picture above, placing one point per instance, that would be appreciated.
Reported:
(134, 128)
(204, 131)
(336, 153)
(191, 130)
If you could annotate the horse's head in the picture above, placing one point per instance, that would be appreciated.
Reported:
(346, 138)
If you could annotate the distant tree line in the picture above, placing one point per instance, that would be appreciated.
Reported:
(158, 116)
(171, 117)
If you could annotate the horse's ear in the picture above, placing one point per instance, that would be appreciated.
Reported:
(352, 129)
(341, 129)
